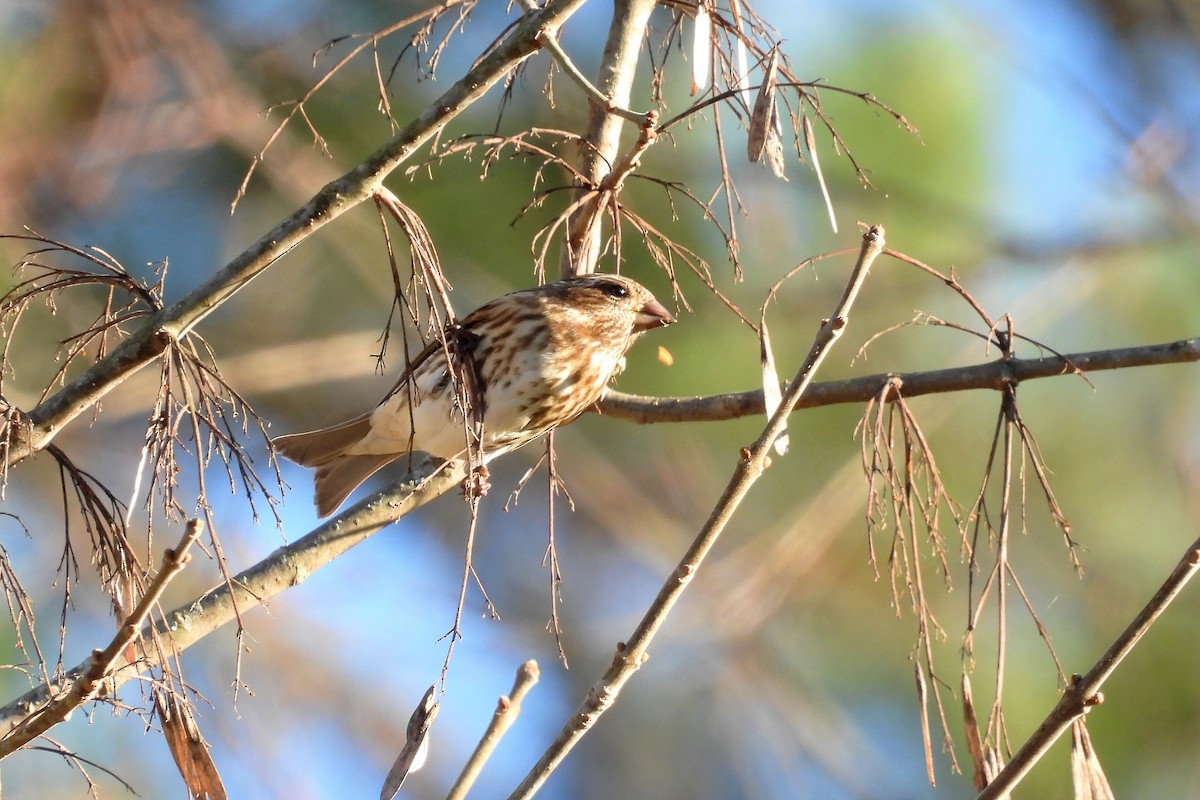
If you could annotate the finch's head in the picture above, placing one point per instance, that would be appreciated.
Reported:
(620, 307)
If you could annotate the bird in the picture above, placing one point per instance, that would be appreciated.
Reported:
(497, 379)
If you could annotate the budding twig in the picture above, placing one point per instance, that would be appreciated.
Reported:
(288, 566)
(507, 711)
(1084, 691)
(104, 662)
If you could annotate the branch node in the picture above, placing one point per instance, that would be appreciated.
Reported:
(547, 40)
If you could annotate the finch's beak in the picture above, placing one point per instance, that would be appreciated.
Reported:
(652, 315)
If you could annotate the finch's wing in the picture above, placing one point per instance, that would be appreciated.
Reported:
(414, 363)
(322, 446)
(339, 474)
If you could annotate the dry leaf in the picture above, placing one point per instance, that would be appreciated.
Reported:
(774, 150)
(416, 745)
(765, 138)
(1086, 773)
(765, 116)
(971, 733)
(189, 750)
(772, 395)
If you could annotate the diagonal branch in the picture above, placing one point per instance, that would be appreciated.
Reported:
(1083, 693)
(288, 566)
(103, 663)
(507, 710)
(359, 184)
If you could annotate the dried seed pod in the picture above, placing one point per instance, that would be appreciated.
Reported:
(764, 119)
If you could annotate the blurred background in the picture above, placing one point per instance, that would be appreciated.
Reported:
(1056, 172)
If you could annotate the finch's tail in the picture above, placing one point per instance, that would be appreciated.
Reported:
(314, 448)
(338, 474)
(336, 479)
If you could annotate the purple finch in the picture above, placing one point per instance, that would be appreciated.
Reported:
(505, 374)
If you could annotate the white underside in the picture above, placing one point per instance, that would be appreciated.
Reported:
(439, 426)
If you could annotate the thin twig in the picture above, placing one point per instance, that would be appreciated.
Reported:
(1084, 692)
(507, 710)
(550, 42)
(298, 106)
(632, 654)
(285, 568)
(103, 663)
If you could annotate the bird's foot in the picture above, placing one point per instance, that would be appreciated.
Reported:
(477, 483)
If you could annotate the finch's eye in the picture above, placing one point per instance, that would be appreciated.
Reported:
(614, 289)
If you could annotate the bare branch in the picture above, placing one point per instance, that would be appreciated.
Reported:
(288, 566)
(1084, 692)
(992, 375)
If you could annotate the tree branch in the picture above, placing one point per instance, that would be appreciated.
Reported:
(103, 663)
(550, 42)
(992, 375)
(288, 566)
(1084, 692)
(618, 68)
(172, 323)
(507, 710)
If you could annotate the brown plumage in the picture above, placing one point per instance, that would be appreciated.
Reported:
(507, 373)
